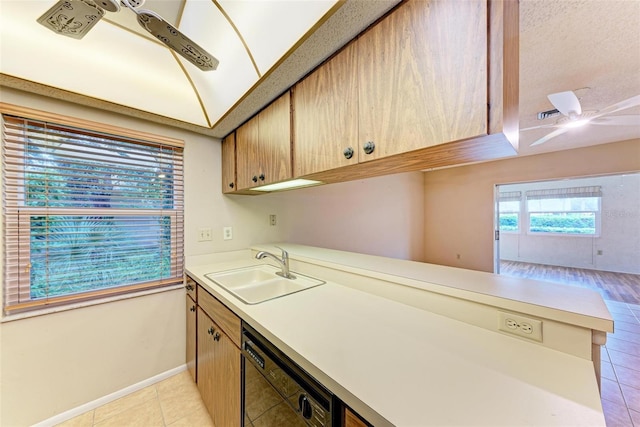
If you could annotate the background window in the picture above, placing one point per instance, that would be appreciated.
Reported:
(87, 214)
(565, 211)
(509, 211)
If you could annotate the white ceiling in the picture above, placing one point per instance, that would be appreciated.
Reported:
(564, 45)
(121, 67)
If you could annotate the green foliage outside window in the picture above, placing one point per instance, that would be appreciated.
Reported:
(508, 222)
(72, 254)
(563, 223)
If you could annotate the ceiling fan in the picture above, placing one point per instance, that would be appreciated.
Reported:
(74, 18)
(567, 104)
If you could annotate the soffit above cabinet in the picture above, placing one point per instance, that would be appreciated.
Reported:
(263, 47)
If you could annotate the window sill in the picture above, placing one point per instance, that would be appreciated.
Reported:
(58, 309)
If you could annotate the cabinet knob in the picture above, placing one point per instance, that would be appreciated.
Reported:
(189, 287)
(231, 184)
(193, 308)
(368, 147)
(216, 337)
(261, 177)
(254, 179)
(210, 331)
(348, 152)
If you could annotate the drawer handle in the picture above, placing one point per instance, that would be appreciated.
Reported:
(216, 337)
(189, 287)
(193, 308)
(210, 331)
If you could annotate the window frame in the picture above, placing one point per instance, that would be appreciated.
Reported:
(10, 307)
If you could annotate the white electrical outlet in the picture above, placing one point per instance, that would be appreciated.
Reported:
(227, 233)
(272, 219)
(521, 326)
(204, 234)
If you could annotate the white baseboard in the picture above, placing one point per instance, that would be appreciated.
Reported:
(89, 406)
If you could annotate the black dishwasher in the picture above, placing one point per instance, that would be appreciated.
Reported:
(277, 392)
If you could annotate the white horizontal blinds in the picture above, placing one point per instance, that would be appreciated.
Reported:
(510, 196)
(87, 213)
(565, 193)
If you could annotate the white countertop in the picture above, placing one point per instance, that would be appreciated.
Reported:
(399, 365)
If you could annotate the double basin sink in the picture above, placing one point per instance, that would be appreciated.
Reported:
(260, 283)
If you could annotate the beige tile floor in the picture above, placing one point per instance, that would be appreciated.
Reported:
(173, 402)
(621, 367)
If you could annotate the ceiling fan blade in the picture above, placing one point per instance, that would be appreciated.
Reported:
(72, 18)
(626, 120)
(622, 105)
(550, 136)
(566, 102)
(174, 39)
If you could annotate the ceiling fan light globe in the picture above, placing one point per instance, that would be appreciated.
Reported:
(109, 5)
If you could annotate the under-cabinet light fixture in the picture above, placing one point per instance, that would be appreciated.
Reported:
(288, 185)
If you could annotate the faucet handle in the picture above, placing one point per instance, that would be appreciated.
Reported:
(285, 254)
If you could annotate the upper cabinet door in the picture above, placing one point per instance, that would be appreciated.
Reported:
(423, 77)
(325, 106)
(274, 152)
(263, 146)
(229, 164)
(247, 143)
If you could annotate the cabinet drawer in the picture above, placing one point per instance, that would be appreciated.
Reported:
(220, 314)
(190, 285)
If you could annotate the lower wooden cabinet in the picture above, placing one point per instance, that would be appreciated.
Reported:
(191, 337)
(218, 369)
(353, 420)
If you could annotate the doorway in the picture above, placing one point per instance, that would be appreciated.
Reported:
(581, 231)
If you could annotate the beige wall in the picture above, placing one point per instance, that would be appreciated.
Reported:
(459, 202)
(53, 363)
(379, 216)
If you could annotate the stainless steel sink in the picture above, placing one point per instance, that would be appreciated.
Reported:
(259, 283)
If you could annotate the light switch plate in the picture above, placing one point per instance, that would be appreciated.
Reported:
(204, 234)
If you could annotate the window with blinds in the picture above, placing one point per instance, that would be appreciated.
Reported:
(509, 211)
(87, 214)
(568, 211)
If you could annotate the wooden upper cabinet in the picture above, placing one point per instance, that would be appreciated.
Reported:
(229, 164)
(274, 153)
(263, 146)
(325, 106)
(432, 84)
(247, 142)
(423, 77)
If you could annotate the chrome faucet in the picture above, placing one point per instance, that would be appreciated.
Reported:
(284, 262)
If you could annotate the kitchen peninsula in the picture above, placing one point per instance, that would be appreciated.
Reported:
(411, 344)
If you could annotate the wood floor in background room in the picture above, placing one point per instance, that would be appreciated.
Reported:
(621, 354)
(621, 287)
